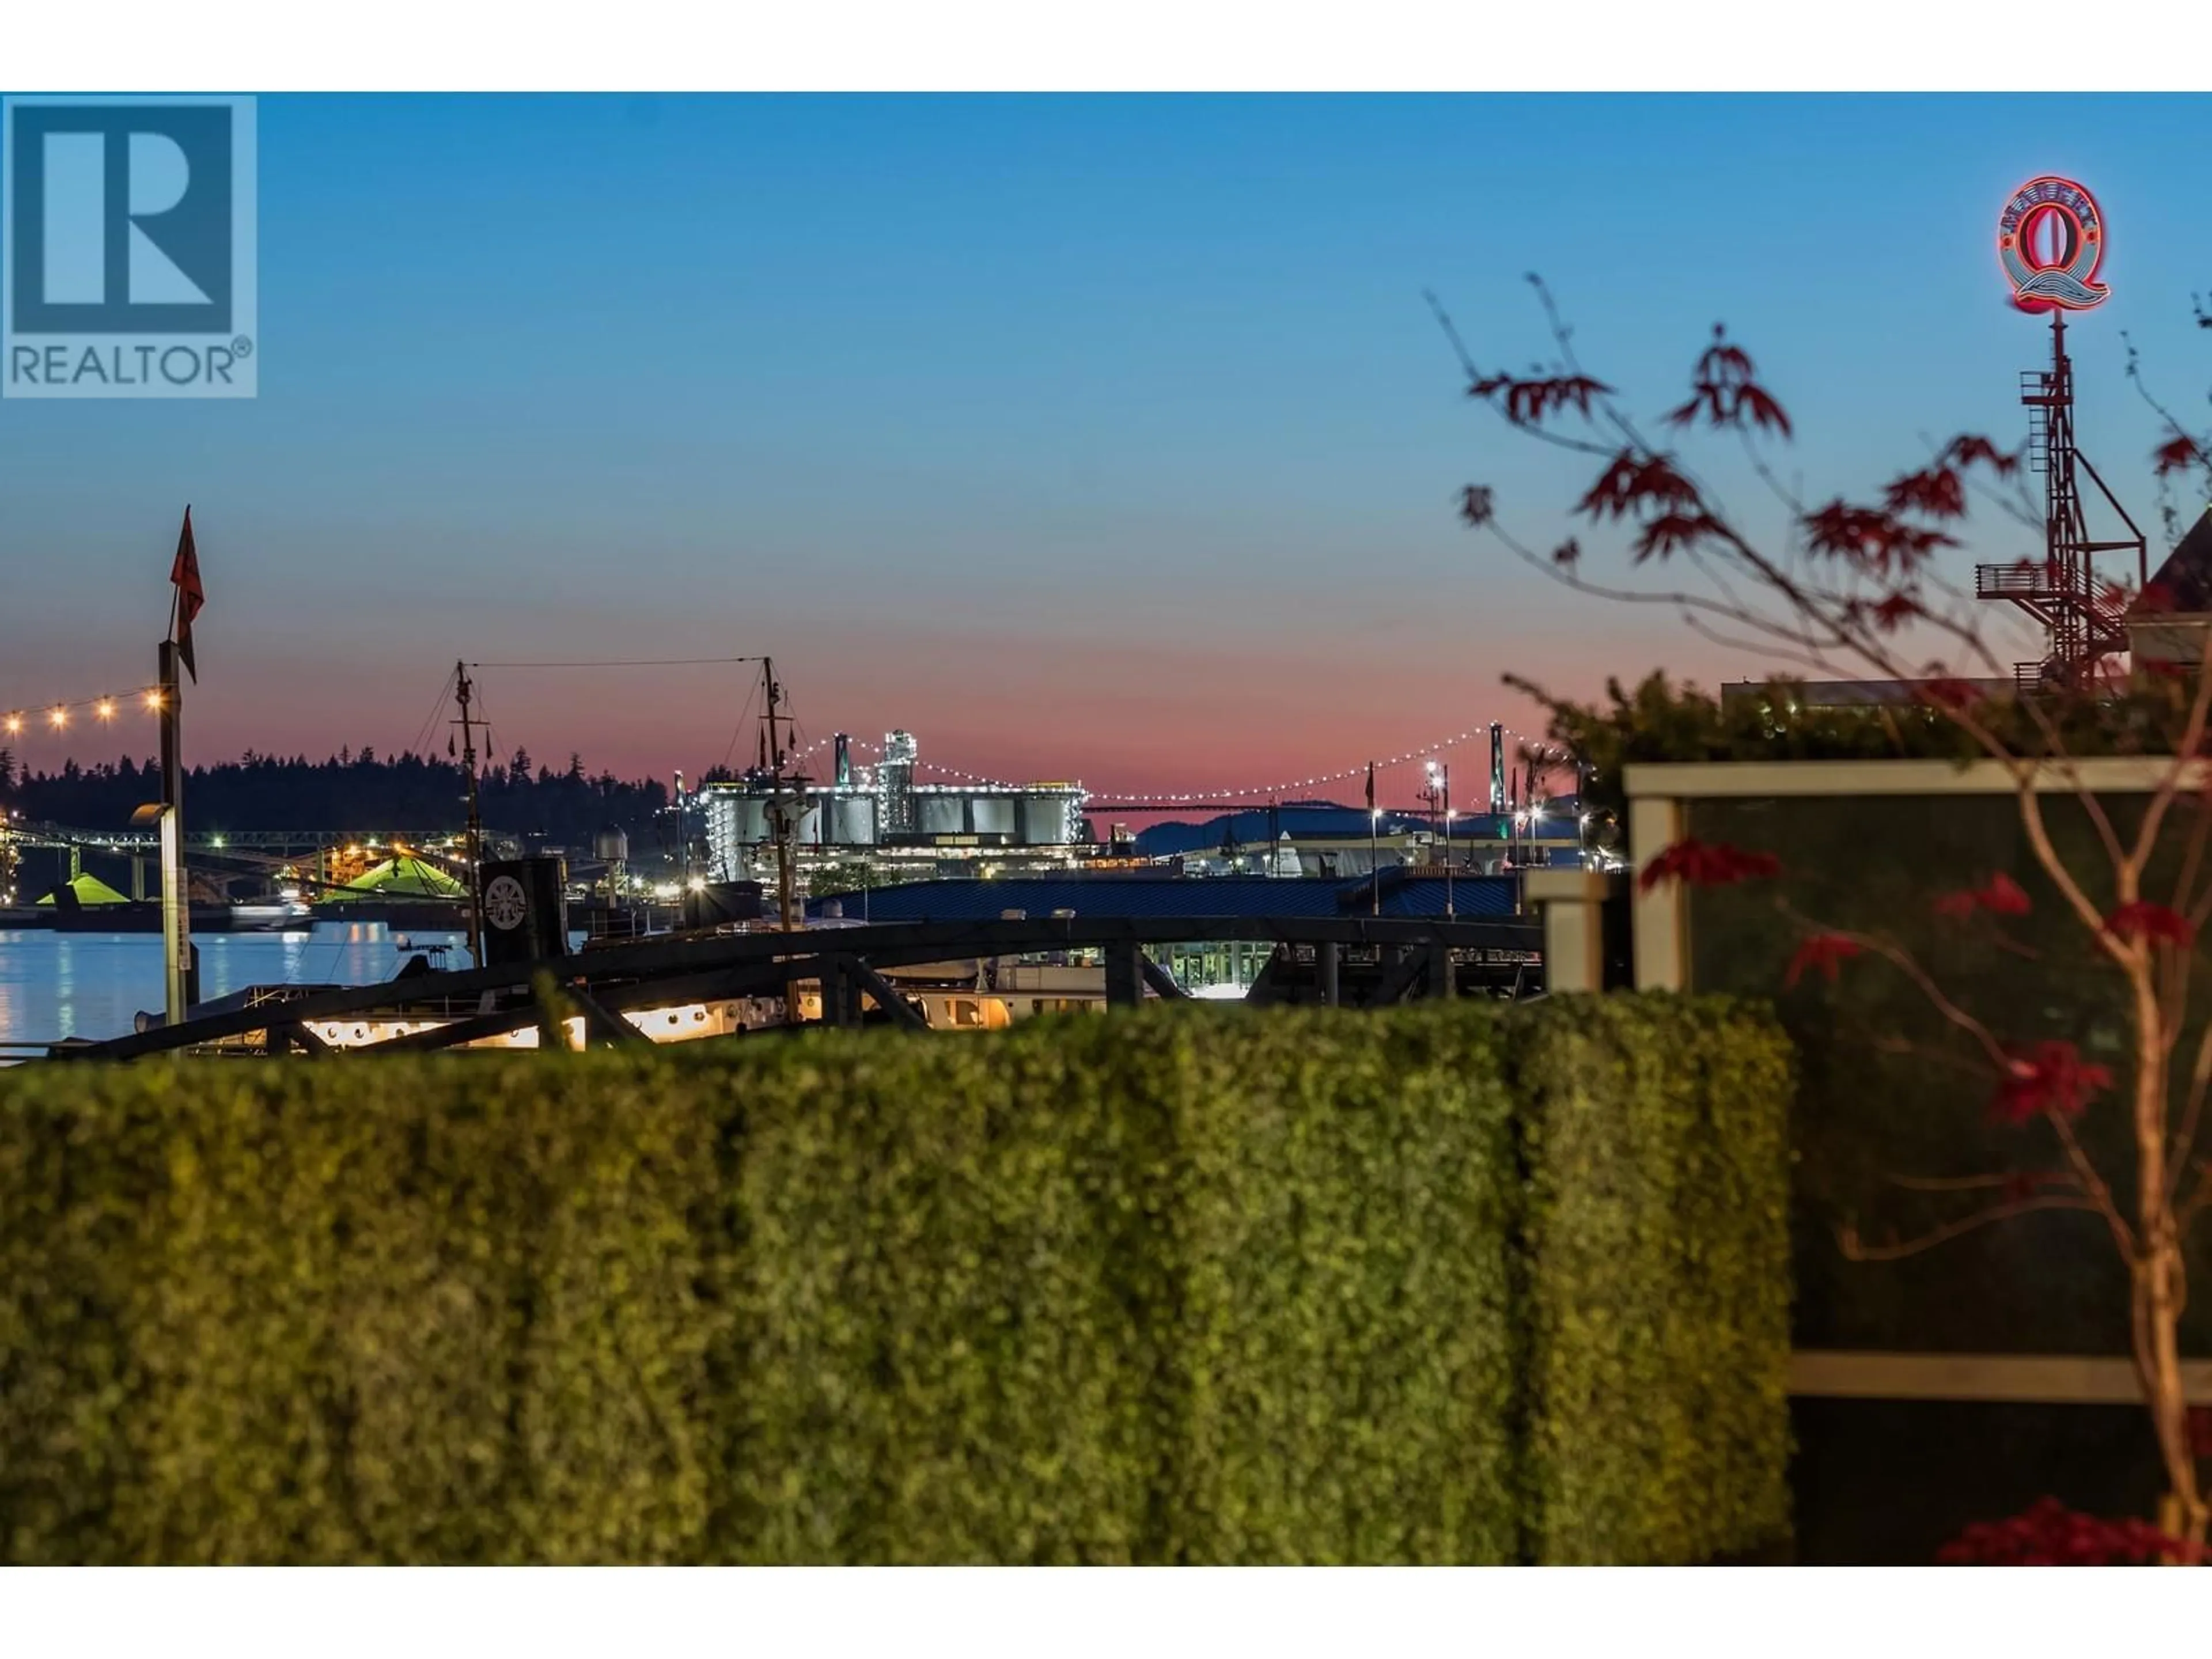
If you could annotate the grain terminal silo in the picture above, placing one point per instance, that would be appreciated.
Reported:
(888, 810)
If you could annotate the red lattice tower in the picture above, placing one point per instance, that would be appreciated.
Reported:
(2052, 242)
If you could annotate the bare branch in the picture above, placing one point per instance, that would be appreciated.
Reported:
(1451, 333)
(2185, 1136)
(1900, 958)
(1968, 1183)
(1858, 1249)
(1705, 630)
(2093, 1184)
(2200, 1199)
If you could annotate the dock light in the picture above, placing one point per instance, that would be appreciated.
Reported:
(59, 717)
(106, 709)
(216, 843)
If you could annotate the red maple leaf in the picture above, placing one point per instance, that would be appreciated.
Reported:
(1871, 537)
(1938, 493)
(1670, 533)
(2049, 1077)
(1823, 952)
(2174, 456)
(1524, 403)
(1631, 482)
(1722, 363)
(1704, 397)
(2050, 1534)
(1732, 405)
(1894, 611)
(1762, 410)
(2156, 924)
(1968, 448)
(2002, 896)
(1706, 864)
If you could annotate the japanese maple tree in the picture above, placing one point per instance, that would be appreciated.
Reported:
(1862, 588)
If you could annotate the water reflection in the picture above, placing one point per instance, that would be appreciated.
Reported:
(94, 985)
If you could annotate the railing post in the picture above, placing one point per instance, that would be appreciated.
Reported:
(1125, 980)
(1572, 905)
(1661, 923)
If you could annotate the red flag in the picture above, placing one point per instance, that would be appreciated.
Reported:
(184, 574)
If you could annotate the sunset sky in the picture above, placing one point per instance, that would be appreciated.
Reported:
(1104, 439)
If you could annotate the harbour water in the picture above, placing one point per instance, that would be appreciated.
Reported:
(94, 985)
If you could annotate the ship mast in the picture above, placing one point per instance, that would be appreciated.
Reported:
(473, 844)
(786, 801)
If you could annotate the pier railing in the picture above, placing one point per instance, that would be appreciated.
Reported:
(1397, 959)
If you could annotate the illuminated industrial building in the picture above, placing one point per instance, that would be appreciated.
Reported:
(883, 815)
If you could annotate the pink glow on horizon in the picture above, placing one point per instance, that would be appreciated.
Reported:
(1151, 719)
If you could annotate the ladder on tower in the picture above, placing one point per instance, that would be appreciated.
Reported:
(2039, 393)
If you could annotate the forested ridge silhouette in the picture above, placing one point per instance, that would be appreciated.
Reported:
(351, 790)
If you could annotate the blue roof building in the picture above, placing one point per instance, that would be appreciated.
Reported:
(1473, 897)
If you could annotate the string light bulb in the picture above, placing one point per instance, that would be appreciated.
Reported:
(106, 708)
(59, 717)
(15, 723)
(153, 700)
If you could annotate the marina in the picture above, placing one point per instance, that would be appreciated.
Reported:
(979, 902)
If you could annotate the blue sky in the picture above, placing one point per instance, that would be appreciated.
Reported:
(1097, 437)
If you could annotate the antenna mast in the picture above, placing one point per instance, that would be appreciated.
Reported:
(786, 801)
(473, 845)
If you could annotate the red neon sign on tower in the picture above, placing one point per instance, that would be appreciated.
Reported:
(2051, 241)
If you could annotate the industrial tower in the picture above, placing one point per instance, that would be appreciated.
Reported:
(2051, 241)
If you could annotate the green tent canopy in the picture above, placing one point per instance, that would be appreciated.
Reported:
(91, 890)
(401, 878)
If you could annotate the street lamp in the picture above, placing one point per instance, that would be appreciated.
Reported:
(1440, 792)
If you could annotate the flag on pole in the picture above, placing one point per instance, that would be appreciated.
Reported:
(185, 575)
(1370, 785)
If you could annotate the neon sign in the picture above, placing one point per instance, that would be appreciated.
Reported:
(2051, 241)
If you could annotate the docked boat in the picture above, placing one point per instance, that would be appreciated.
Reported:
(144, 916)
(971, 995)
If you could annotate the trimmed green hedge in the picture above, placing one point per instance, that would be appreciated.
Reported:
(1659, 1234)
(1181, 1285)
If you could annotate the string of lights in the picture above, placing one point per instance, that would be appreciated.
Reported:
(1411, 757)
(954, 772)
(58, 716)
(1518, 740)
